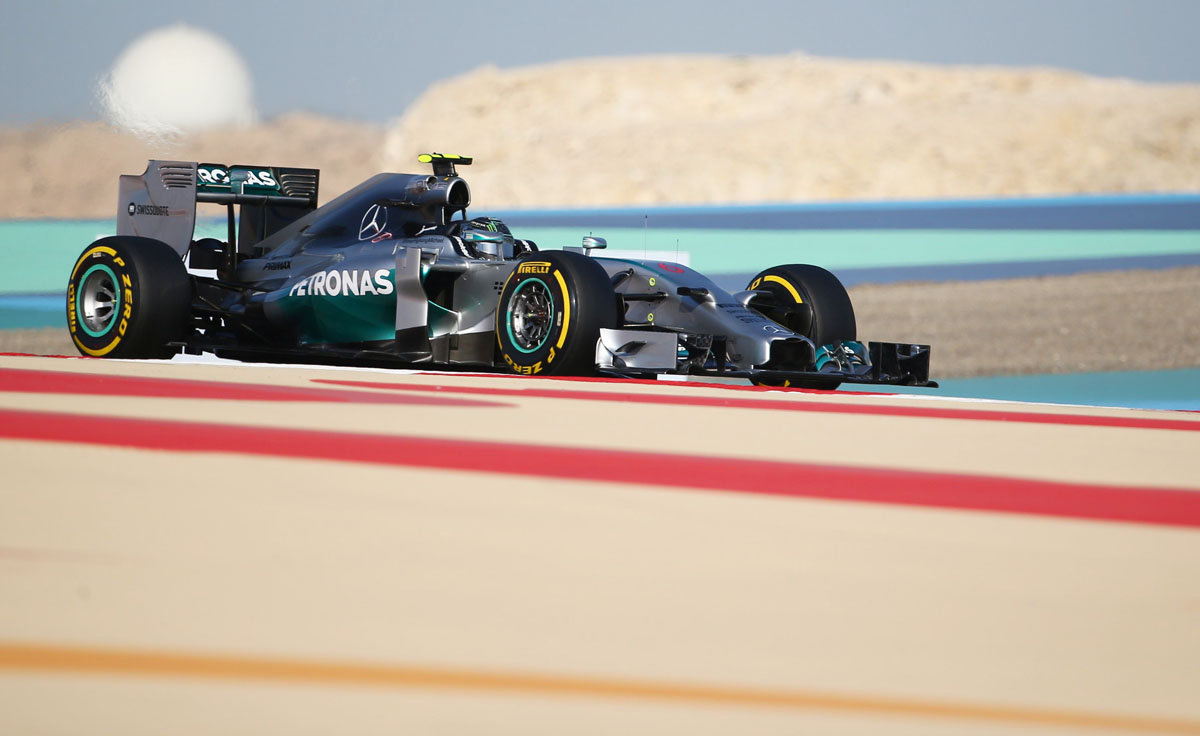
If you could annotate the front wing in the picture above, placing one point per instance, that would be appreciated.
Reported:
(641, 353)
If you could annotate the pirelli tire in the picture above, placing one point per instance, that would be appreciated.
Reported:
(807, 300)
(127, 298)
(550, 314)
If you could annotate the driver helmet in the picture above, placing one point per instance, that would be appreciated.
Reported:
(489, 237)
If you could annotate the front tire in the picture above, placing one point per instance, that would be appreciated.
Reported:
(127, 298)
(550, 314)
(807, 300)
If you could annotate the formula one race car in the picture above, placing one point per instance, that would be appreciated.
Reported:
(395, 273)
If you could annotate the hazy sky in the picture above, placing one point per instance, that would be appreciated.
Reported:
(368, 59)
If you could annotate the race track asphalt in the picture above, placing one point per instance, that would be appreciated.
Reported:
(198, 548)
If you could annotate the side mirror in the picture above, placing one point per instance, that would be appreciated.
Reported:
(591, 243)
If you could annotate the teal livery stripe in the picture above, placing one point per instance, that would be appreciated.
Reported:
(1082, 212)
(742, 251)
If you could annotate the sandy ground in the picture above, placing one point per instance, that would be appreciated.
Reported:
(1116, 321)
(195, 592)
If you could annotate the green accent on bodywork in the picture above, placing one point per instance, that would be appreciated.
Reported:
(116, 309)
(438, 320)
(239, 179)
(347, 318)
(441, 321)
(324, 319)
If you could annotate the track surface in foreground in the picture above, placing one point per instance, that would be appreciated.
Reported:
(200, 548)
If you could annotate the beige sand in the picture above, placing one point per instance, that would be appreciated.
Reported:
(796, 128)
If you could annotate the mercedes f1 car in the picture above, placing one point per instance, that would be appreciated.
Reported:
(395, 273)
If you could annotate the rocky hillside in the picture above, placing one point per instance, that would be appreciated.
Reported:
(690, 129)
(71, 170)
(796, 128)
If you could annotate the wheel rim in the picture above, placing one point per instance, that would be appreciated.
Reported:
(98, 301)
(530, 315)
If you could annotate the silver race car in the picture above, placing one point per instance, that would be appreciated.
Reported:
(395, 273)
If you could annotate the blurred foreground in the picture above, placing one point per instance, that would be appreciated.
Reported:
(217, 548)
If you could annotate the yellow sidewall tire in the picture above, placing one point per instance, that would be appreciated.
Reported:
(581, 302)
(127, 297)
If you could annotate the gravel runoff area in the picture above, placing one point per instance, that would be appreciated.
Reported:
(1110, 321)
(1144, 320)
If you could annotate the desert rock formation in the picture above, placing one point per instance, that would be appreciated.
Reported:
(689, 130)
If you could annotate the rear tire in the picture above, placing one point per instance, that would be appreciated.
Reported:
(127, 298)
(550, 314)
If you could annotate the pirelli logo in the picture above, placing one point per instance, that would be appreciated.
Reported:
(534, 267)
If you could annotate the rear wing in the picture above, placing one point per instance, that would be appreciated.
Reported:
(161, 203)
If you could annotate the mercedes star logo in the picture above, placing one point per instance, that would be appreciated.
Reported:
(373, 222)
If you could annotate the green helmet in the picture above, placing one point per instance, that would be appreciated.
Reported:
(488, 237)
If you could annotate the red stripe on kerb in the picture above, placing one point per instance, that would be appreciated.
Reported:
(913, 488)
(831, 407)
(92, 384)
